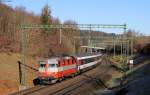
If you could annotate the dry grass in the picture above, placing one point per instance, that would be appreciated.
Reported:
(9, 75)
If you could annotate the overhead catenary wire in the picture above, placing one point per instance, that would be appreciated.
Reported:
(24, 27)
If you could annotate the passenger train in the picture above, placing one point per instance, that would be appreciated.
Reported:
(58, 68)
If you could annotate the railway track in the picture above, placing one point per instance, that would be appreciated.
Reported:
(61, 91)
(30, 90)
(67, 86)
(71, 88)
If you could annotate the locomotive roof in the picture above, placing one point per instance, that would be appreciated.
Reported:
(54, 60)
(78, 56)
(50, 60)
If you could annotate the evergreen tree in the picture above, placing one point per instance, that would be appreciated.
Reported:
(46, 16)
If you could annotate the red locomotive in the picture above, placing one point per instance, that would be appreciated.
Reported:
(56, 69)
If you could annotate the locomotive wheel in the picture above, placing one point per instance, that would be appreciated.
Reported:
(63, 78)
(60, 79)
(36, 81)
(73, 75)
(54, 81)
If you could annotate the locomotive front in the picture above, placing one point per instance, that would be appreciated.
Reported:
(47, 71)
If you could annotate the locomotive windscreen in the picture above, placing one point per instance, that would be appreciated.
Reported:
(52, 65)
(42, 65)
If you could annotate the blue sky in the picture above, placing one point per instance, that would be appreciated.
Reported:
(135, 13)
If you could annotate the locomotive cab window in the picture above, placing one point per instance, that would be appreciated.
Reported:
(52, 65)
(42, 65)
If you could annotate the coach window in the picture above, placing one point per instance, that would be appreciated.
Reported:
(86, 61)
(89, 60)
(79, 62)
(83, 61)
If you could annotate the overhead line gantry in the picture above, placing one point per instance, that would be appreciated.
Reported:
(25, 27)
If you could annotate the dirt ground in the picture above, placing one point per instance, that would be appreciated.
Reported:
(9, 72)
